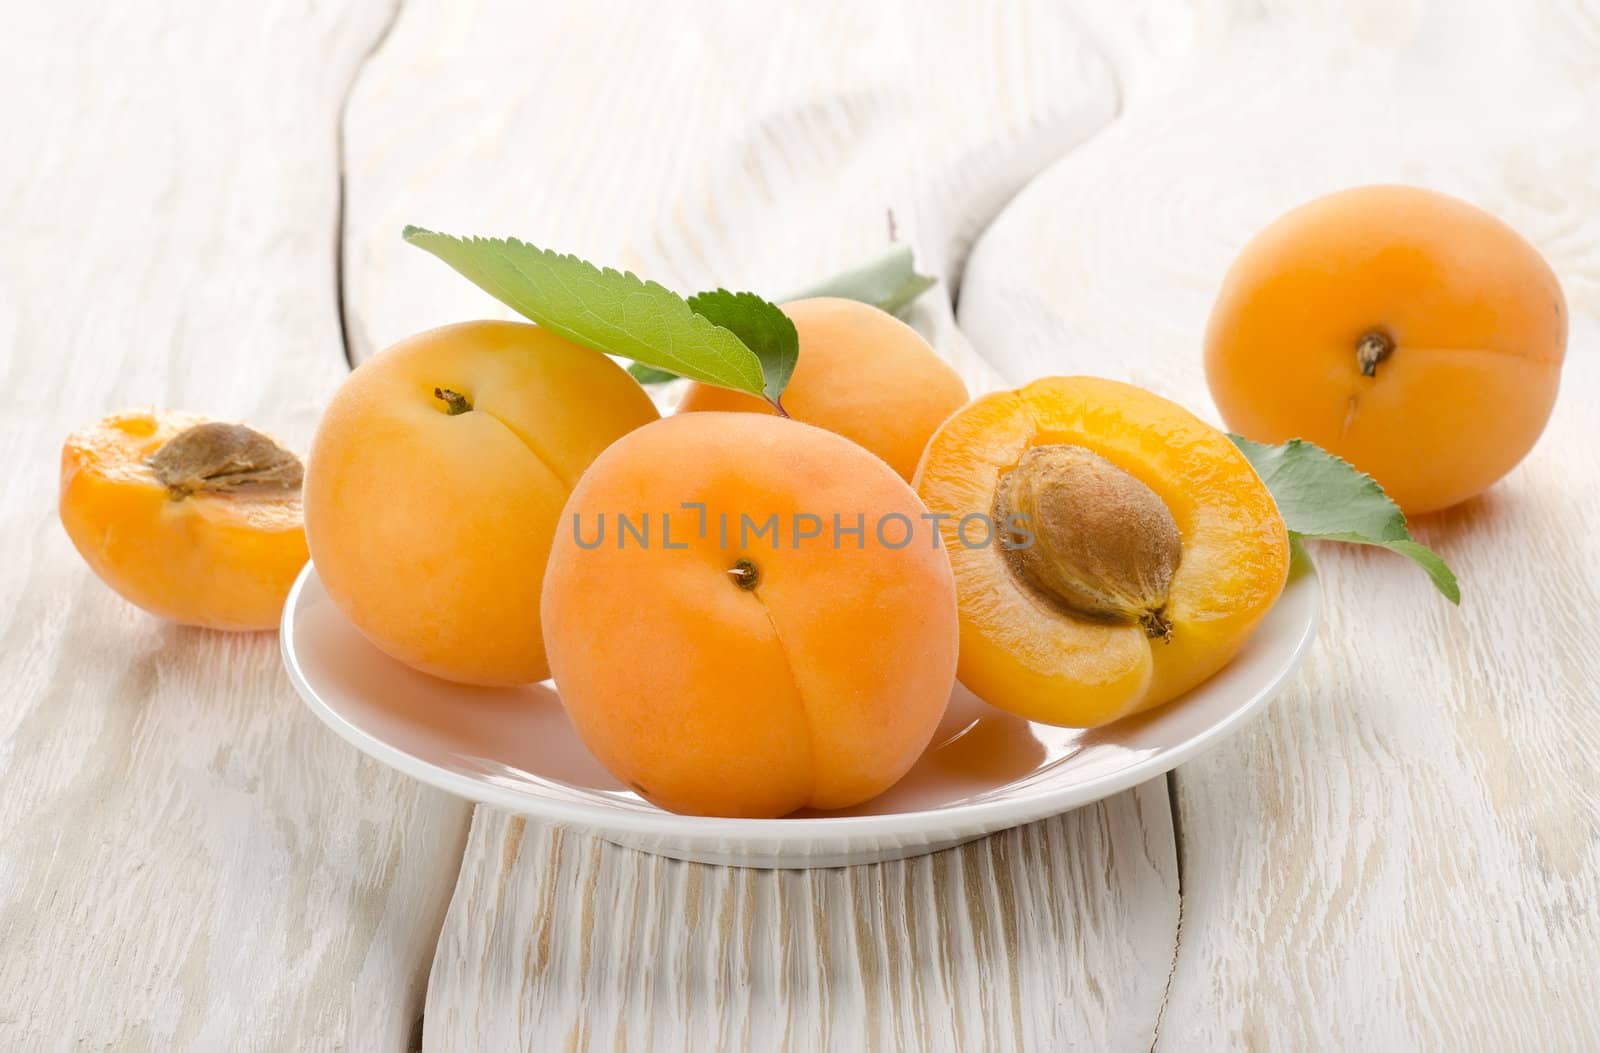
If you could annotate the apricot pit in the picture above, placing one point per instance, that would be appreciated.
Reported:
(219, 457)
(1103, 544)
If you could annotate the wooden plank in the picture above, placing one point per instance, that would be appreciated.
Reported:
(716, 144)
(1405, 853)
(188, 860)
(1056, 934)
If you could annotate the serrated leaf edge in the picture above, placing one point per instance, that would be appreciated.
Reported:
(754, 379)
(1438, 571)
(774, 323)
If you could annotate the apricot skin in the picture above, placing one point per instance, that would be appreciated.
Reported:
(1477, 320)
(431, 530)
(818, 687)
(863, 374)
(1026, 655)
(219, 561)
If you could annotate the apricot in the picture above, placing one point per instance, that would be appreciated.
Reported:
(435, 482)
(862, 373)
(1412, 334)
(1111, 550)
(749, 657)
(193, 520)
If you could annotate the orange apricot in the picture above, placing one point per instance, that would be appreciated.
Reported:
(1414, 335)
(193, 520)
(862, 373)
(1111, 551)
(745, 656)
(434, 485)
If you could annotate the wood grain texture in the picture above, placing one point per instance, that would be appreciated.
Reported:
(1405, 853)
(1038, 938)
(760, 147)
(188, 860)
(708, 142)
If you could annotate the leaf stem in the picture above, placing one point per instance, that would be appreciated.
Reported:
(777, 404)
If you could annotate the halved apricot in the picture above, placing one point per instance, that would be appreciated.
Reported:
(1111, 550)
(194, 520)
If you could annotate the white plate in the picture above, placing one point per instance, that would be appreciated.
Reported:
(985, 771)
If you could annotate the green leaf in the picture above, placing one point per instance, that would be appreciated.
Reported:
(1444, 579)
(889, 282)
(1442, 576)
(761, 327)
(606, 310)
(1299, 558)
(1324, 497)
(650, 374)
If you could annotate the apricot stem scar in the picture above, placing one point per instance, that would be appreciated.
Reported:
(1372, 349)
(1156, 625)
(745, 574)
(454, 402)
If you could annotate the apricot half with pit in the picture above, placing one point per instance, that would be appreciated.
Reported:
(747, 615)
(434, 485)
(194, 520)
(1111, 551)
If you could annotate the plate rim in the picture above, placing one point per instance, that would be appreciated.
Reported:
(930, 823)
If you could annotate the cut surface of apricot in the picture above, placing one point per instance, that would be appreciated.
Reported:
(730, 652)
(1111, 550)
(193, 520)
(1413, 334)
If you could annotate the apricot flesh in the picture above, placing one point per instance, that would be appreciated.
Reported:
(1411, 333)
(749, 674)
(435, 482)
(863, 374)
(1055, 662)
(219, 557)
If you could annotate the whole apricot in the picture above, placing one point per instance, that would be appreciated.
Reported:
(1111, 550)
(1412, 334)
(862, 373)
(781, 635)
(193, 520)
(435, 482)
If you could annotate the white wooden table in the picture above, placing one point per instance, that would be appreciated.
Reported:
(202, 206)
